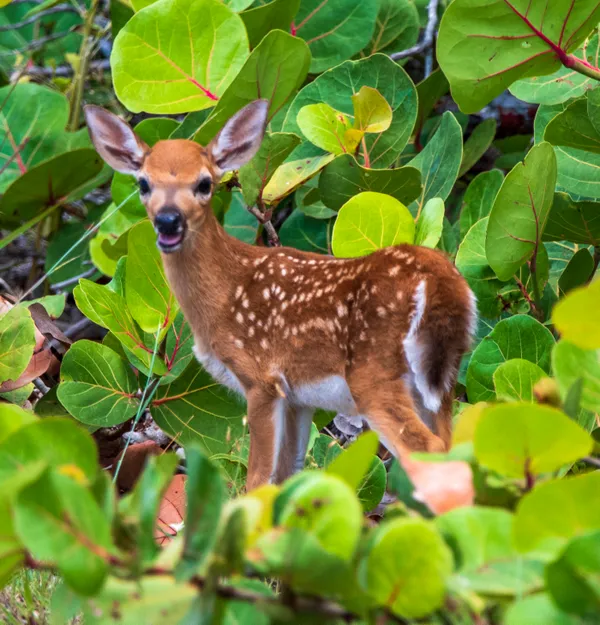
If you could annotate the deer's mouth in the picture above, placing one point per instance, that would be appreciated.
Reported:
(170, 242)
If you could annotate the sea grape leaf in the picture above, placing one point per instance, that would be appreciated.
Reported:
(372, 113)
(178, 56)
(479, 198)
(519, 336)
(484, 48)
(97, 386)
(396, 27)
(336, 88)
(328, 129)
(262, 19)
(306, 233)
(538, 609)
(430, 223)
(578, 271)
(370, 221)
(477, 144)
(334, 30)
(572, 364)
(344, 178)
(17, 341)
(514, 380)
(573, 128)
(520, 212)
(578, 222)
(575, 317)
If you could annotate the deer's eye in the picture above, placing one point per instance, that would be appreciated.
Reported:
(203, 187)
(144, 186)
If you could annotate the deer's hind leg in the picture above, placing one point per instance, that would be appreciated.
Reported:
(388, 407)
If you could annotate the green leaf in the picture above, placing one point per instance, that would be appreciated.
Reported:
(538, 609)
(275, 70)
(58, 520)
(472, 262)
(254, 176)
(335, 30)
(327, 508)
(477, 144)
(372, 487)
(109, 310)
(396, 27)
(439, 162)
(11, 550)
(239, 222)
(561, 86)
(149, 298)
(354, 462)
(573, 128)
(54, 304)
(344, 178)
(430, 90)
(514, 380)
(517, 337)
(430, 223)
(195, 409)
(305, 233)
(308, 200)
(539, 528)
(13, 418)
(578, 271)
(520, 212)
(162, 63)
(372, 113)
(337, 86)
(507, 47)
(521, 438)
(97, 387)
(395, 573)
(578, 222)
(206, 495)
(370, 221)
(260, 20)
(479, 198)
(32, 129)
(570, 364)
(17, 341)
(328, 129)
(66, 175)
(575, 318)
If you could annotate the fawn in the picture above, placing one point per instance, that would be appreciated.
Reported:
(379, 336)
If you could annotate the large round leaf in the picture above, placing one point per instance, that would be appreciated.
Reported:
(336, 88)
(177, 56)
(371, 221)
(575, 317)
(578, 222)
(538, 609)
(396, 28)
(97, 386)
(571, 364)
(17, 341)
(335, 30)
(521, 438)
(514, 380)
(517, 337)
(479, 198)
(484, 47)
(406, 567)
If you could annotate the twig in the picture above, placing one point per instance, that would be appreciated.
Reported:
(265, 220)
(61, 8)
(37, 43)
(78, 327)
(427, 41)
(65, 283)
(41, 387)
(65, 71)
(594, 462)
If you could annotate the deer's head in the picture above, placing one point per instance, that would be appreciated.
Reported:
(177, 177)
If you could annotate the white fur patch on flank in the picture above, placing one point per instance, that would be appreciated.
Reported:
(413, 350)
(279, 411)
(473, 315)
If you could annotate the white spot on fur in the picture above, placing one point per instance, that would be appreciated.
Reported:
(266, 294)
(394, 271)
(239, 318)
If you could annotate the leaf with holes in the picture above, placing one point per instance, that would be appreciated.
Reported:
(371, 221)
(439, 162)
(394, 560)
(484, 48)
(149, 298)
(516, 337)
(572, 365)
(344, 178)
(336, 88)
(178, 56)
(518, 439)
(255, 175)
(514, 380)
(195, 409)
(396, 27)
(334, 30)
(97, 386)
(430, 223)
(328, 129)
(275, 70)
(578, 222)
(479, 198)
(17, 340)
(109, 309)
(520, 212)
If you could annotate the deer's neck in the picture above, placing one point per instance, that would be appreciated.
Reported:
(204, 273)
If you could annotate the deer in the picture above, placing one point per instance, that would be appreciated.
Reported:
(379, 336)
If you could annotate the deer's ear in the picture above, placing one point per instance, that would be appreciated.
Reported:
(114, 140)
(239, 140)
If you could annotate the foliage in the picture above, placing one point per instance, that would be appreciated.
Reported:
(361, 152)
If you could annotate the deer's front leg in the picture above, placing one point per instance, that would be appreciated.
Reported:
(266, 421)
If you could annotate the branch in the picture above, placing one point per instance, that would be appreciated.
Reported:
(37, 43)
(64, 71)
(427, 42)
(61, 8)
(265, 220)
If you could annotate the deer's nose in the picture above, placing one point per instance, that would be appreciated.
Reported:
(168, 221)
